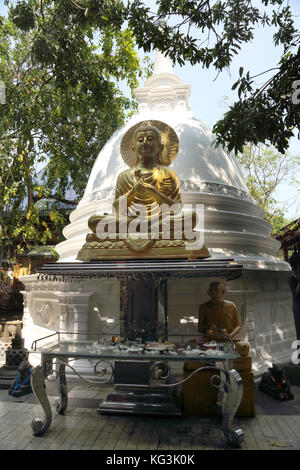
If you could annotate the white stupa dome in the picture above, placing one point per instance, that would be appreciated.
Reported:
(233, 222)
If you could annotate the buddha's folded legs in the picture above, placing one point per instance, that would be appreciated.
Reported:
(160, 226)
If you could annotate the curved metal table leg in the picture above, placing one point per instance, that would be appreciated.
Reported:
(38, 386)
(232, 396)
(62, 403)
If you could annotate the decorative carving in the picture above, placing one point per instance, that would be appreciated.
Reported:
(137, 270)
(46, 313)
(138, 244)
(215, 188)
(186, 187)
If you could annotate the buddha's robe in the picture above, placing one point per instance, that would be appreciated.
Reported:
(166, 182)
(161, 177)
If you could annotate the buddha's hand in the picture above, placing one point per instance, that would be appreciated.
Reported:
(143, 190)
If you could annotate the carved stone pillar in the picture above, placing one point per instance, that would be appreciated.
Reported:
(27, 318)
(74, 311)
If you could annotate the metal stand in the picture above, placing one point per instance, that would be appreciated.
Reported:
(143, 402)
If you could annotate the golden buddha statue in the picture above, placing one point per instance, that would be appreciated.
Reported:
(149, 220)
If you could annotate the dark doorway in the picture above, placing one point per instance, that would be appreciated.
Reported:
(144, 310)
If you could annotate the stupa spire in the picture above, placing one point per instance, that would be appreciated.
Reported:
(163, 91)
(163, 63)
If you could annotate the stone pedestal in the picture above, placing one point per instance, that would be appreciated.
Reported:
(8, 330)
(51, 306)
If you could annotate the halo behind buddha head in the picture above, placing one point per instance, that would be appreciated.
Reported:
(168, 137)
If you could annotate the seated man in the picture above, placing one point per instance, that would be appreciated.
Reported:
(218, 317)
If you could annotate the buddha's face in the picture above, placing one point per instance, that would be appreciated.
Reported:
(216, 292)
(147, 145)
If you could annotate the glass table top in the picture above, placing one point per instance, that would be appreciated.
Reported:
(58, 346)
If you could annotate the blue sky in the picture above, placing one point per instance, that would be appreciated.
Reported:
(208, 92)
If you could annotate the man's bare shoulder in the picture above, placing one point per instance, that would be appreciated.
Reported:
(229, 304)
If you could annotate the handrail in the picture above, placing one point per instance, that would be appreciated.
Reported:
(33, 346)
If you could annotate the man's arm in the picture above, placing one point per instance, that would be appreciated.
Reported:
(201, 320)
(236, 323)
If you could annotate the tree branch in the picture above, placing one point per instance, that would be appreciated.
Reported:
(56, 198)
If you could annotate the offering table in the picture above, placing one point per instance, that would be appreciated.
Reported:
(62, 349)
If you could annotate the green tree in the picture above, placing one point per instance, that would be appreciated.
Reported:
(264, 170)
(207, 32)
(63, 103)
